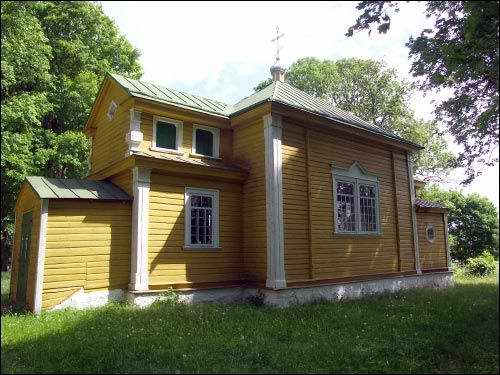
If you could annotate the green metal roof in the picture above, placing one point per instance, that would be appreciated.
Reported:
(278, 92)
(168, 96)
(62, 188)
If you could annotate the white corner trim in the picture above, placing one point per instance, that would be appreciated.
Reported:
(274, 202)
(216, 134)
(413, 213)
(446, 241)
(139, 274)
(40, 266)
(178, 134)
(134, 136)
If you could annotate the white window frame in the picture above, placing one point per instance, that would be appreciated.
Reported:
(357, 176)
(214, 194)
(178, 135)
(427, 233)
(216, 136)
(112, 110)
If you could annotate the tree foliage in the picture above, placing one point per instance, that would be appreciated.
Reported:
(54, 56)
(472, 222)
(461, 53)
(376, 94)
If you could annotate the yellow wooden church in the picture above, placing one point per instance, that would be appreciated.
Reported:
(281, 196)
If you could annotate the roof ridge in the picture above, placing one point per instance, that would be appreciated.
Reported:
(169, 88)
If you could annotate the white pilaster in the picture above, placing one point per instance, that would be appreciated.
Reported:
(40, 266)
(139, 276)
(134, 136)
(413, 213)
(446, 242)
(274, 202)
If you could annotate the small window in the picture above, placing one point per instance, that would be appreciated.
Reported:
(206, 141)
(112, 110)
(202, 219)
(430, 232)
(356, 203)
(167, 134)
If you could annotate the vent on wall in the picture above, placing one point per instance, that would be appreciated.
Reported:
(112, 110)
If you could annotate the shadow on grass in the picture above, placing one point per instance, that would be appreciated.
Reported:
(453, 330)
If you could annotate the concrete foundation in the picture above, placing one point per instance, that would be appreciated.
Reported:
(278, 298)
(82, 300)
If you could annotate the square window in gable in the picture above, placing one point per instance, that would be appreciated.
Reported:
(112, 110)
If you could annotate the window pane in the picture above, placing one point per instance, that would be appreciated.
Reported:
(204, 142)
(195, 201)
(345, 188)
(165, 135)
(206, 202)
(346, 216)
(367, 208)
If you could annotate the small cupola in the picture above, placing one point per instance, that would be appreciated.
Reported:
(277, 71)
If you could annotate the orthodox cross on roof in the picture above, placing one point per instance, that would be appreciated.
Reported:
(277, 40)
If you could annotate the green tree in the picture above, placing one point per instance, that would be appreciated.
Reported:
(472, 222)
(376, 94)
(460, 52)
(54, 57)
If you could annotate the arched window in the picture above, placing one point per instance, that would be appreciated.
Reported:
(356, 200)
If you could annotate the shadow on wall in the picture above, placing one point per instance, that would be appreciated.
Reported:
(170, 262)
(111, 268)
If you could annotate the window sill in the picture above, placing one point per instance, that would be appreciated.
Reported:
(166, 150)
(193, 248)
(199, 156)
(357, 235)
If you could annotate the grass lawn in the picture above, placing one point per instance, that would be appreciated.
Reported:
(454, 330)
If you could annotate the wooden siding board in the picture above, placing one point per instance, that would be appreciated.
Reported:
(249, 152)
(94, 254)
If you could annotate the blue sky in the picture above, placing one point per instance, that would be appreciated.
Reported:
(222, 50)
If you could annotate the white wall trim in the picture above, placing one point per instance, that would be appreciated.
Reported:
(446, 241)
(139, 274)
(178, 134)
(134, 136)
(216, 135)
(274, 202)
(40, 266)
(413, 212)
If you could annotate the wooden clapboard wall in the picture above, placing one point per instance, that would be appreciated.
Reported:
(170, 264)
(432, 254)
(312, 250)
(87, 246)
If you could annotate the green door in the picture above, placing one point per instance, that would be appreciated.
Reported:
(22, 273)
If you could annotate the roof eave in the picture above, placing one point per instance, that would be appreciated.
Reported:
(393, 138)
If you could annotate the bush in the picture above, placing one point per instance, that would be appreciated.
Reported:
(481, 265)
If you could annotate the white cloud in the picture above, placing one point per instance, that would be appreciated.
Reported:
(222, 50)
